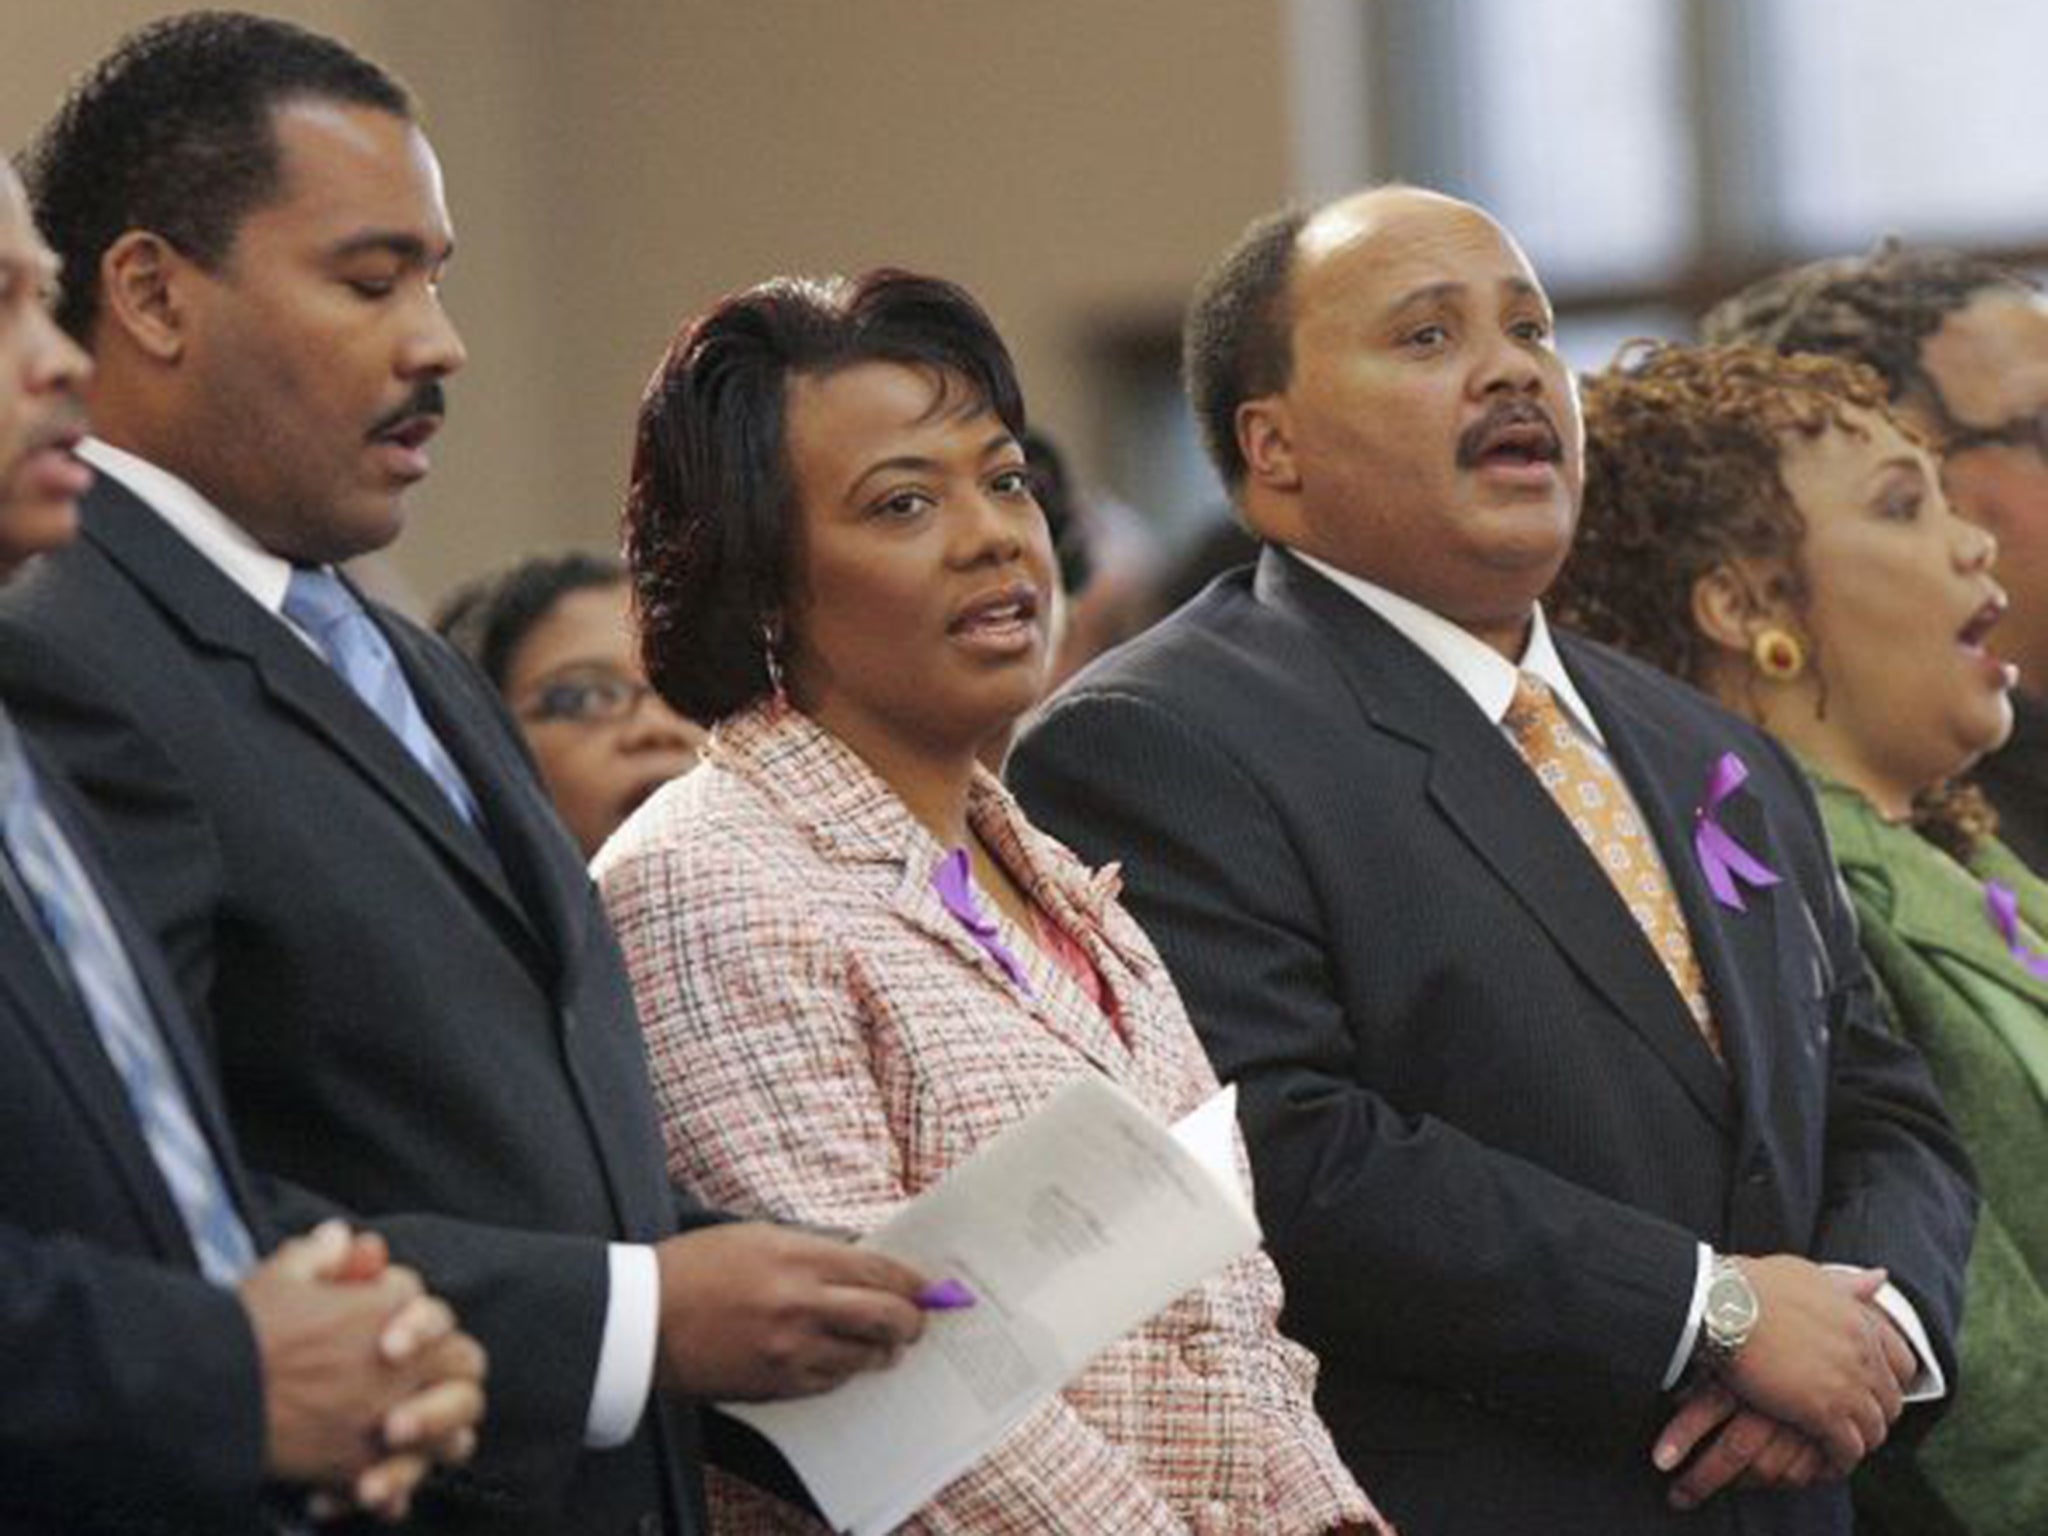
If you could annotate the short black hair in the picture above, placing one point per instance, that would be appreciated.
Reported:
(1875, 309)
(489, 617)
(1237, 343)
(172, 132)
(710, 519)
(1054, 488)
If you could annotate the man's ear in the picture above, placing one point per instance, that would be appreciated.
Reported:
(143, 281)
(1265, 436)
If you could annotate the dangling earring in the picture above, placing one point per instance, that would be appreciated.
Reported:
(1777, 654)
(771, 659)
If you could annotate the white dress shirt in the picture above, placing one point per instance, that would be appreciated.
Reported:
(625, 1362)
(1488, 679)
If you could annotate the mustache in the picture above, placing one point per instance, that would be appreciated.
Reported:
(1502, 415)
(428, 399)
(65, 424)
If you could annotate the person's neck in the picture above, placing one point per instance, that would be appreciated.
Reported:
(1791, 715)
(932, 779)
(126, 414)
(1509, 637)
(1892, 801)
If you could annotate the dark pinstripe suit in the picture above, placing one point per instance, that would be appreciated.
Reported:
(131, 1398)
(431, 1030)
(1488, 1136)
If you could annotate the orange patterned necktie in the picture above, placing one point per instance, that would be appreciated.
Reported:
(1593, 801)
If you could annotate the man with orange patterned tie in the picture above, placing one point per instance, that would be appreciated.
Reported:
(1560, 1070)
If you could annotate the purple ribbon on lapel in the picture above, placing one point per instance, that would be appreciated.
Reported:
(1722, 858)
(2004, 906)
(956, 893)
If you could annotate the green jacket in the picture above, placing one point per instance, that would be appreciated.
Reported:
(1981, 1019)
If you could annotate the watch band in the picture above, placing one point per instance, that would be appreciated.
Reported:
(1728, 1318)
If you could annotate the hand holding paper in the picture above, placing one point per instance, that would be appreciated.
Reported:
(1070, 1229)
(751, 1311)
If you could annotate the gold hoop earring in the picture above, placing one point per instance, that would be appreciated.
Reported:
(1778, 655)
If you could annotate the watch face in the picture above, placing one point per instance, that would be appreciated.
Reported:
(1731, 1305)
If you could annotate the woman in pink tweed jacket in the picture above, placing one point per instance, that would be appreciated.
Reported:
(855, 960)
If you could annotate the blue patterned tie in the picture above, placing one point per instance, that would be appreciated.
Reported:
(322, 605)
(82, 934)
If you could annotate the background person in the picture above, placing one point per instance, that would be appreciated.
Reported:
(1962, 347)
(554, 634)
(1760, 526)
(856, 961)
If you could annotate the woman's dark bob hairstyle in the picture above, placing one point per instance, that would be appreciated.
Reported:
(711, 517)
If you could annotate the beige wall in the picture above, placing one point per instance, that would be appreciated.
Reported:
(613, 164)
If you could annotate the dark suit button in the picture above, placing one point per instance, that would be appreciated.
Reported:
(648, 1525)
(1758, 1176)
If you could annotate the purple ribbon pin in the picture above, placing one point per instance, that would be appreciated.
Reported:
(2005, 917)
(1722, 858)
(956, 893)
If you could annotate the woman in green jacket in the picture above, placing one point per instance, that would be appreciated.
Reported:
(1764, 527)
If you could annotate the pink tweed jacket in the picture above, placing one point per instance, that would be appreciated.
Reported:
(826, 1041)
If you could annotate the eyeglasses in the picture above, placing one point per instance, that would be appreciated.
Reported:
(602, 698)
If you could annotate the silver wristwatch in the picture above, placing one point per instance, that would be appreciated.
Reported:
(1730, 1317)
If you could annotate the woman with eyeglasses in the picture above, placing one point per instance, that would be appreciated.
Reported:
(855, 960)
(554, 634)
(1764, 527)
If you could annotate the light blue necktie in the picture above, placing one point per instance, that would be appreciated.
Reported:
(82, 935)
(322, 605)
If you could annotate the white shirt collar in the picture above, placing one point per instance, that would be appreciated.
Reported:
(204, 526)
(1487, 677)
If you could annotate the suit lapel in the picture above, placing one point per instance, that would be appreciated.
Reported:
(1668, 772)
(187, 1051)
(53, 1017)
(517, 819)
(1487, 795)
(1075, 1022)
(852, 818)
(1074, 901)
(1936, 906)
(1939, 906)
(223, 619)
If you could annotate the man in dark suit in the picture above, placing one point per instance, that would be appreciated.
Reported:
(1550, 1140)
(158, 1372)
(325, 815)
(1962, 346)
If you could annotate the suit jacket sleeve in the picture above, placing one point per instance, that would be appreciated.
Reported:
(1410, 1248)
(536, 1301)
(132, 1391)
(768, 1106)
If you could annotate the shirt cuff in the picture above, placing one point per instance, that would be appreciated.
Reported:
(625, 1360)
(1930, 1385)
(1702, 1274)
